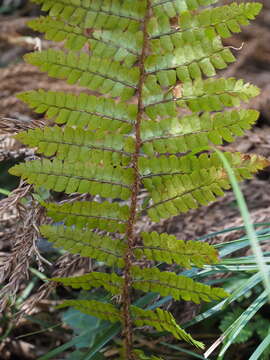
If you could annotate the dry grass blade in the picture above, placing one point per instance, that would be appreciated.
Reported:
(13, 126)
(65, 266)
(15, 265)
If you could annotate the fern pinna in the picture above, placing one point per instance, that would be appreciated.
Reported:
(149, 123)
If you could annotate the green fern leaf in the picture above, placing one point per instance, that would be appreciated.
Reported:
(162, 321)
(86, 243)
(78, 145)
(82, 110)
(189, 190)
(63, 176)
(97, 74)
(99, 309)
(91, 214)
(166, 248)
(111, 282)
(179, 287)
(166, 283)
(97, 14)
(174, 165)
(197, 57)
(164, 9)
(222, 20)
(173, 135)
(184, 192)
(200, 95)
(149, 280)
(123, 47)
(179, 5)
(57, 30)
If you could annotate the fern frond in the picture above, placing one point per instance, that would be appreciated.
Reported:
(145, 61)
(110, 182)
(222, 21)
(99, 309)
(179, 287)
(86, 243)
(166, 248)
(120, 46)
(243, 164)
(149, 280)
(162, 321)
(184, 189)
(56, 30)
(159, 319)
(207, 25)
(71, 144)
(199, 58)
(183, 192)
(97, 14)
(82, 110)
(103, 75)
(201, 95)
(106, 216)
(111, 282)
(179, 135)
(172, 8)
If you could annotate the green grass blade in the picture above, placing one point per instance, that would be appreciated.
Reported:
(247, 222)
(5, 192)
(107, 336)
(180, 349)
(237, 268)
(260, 349)
(235, 245)
(244, 260)
(52, 354)
(234, 228)
(233, 330)
(240, 291)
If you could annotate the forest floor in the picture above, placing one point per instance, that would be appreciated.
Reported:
(252, 49)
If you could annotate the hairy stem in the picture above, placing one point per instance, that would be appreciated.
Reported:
(128, 258)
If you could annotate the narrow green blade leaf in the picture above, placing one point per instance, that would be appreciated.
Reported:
(247, 221)
(260, 349)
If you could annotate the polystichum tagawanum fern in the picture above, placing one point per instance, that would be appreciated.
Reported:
(155, 112)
